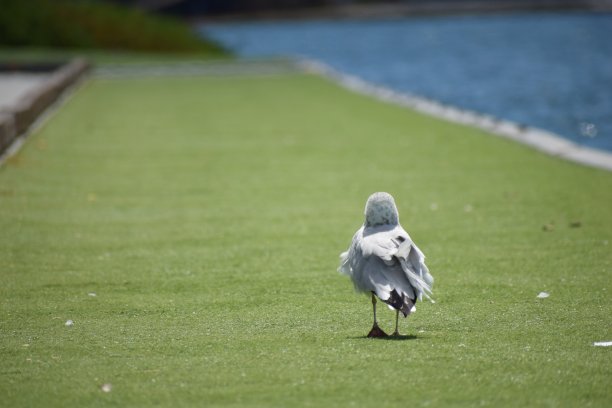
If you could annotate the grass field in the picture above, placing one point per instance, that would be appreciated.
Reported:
(207, 215)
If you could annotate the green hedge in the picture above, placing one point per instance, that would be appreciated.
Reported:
(89, 24)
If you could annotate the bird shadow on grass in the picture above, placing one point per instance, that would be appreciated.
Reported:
(401, 337)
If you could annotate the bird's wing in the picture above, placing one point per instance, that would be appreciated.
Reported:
(412, 260)
(389, 283)
(352, 259)
(395, 247)
(383, 244)
(370, 264)
(386, 260)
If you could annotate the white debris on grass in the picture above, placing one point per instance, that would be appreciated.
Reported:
(92, 294)
(543, 295)
(602, 343)
(69, 323)
(106, 387)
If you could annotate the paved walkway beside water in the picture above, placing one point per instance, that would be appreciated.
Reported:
(27, 96)
(15, 85)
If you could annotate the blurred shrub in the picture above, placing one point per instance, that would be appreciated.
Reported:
(90, 24)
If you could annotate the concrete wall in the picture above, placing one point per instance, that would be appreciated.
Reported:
(15, 120)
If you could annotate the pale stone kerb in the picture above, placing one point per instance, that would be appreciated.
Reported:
(23, 113)
(32, 105)
(539, 139)
(243, 67)
(8, 132)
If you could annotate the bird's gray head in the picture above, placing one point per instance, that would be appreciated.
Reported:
(381, 210)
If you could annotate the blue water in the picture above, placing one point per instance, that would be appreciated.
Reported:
(552, 71)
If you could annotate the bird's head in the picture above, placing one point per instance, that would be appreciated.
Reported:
(381, 210)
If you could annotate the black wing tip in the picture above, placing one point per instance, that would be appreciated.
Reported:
(400, 302)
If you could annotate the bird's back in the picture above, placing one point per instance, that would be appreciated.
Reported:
(384, 260)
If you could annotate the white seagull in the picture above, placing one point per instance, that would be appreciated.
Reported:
(383, 261)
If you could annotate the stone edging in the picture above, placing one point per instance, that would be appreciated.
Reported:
(539, 139)
(259, 67)
(16, 120)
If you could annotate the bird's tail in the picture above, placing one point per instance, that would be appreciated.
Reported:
(420, 282)
(400, 302)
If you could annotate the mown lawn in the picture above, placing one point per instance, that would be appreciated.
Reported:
(207, 215)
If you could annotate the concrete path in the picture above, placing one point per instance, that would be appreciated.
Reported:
(13, 86)
(25, 97)
(195, 68)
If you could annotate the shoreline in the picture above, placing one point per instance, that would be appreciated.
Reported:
(539, 139)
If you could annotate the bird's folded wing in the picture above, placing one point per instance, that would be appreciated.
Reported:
(393, 248)
(381, 245)
(403, 250)
(351, 259)
(412, 261)
(385, 280)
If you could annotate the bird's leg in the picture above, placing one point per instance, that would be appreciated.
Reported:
(396, 332)
(374, 308)
(376, 331)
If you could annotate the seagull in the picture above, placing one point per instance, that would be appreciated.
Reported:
(384, 262)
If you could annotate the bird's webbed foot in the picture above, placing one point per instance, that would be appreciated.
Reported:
(377, 332)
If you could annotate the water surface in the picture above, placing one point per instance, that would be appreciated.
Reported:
(548, 70)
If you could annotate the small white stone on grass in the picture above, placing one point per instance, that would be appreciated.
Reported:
(106, 387)
(69, 323)
(543, 295)
(602, 343)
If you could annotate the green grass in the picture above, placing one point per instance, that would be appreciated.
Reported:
(207, 214)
